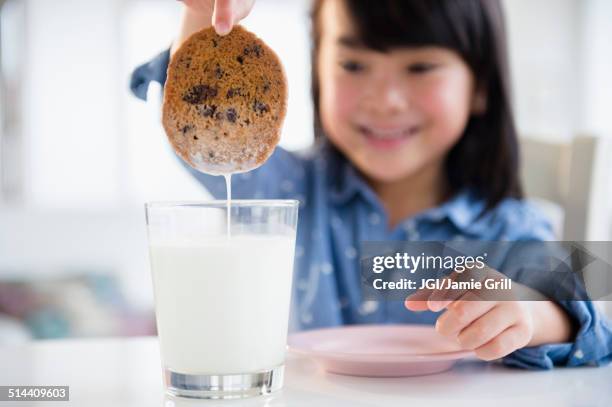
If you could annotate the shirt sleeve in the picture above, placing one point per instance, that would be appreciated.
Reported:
(593, 342)
(154, 70)
(280, 177)
(592, 345)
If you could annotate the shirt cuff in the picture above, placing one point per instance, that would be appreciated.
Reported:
(154, 70)
(592, 346)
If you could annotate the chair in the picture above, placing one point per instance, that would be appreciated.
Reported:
(570, 183)
(571, 175)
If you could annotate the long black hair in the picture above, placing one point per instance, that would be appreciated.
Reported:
(487, 155)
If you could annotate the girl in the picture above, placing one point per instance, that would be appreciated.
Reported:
(415, 141)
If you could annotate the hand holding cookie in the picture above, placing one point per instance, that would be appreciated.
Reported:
(221, 14)
(224, 101)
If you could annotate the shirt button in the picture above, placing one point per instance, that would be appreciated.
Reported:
(579, 354)
(350, 252)
(326, 268)
(368, 307)
(374, 219)
(306, 318)
(412, 232)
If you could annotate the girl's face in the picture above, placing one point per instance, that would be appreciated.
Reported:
(395, 114)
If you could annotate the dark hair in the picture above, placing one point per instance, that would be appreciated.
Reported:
(487, 155)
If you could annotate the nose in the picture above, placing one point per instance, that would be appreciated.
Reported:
(387, 95)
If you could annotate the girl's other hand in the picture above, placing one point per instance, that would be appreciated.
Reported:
(493, 328)
(221, 14)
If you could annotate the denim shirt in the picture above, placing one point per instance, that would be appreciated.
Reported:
(338, 210)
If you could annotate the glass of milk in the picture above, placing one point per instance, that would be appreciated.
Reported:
(222, 294)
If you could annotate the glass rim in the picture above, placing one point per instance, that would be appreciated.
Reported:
(222, 203)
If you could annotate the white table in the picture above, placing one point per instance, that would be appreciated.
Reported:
(126, 372)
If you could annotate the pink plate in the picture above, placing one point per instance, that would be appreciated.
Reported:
(379, 350)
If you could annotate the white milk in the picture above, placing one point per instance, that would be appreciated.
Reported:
(228, 194)
(222, 305)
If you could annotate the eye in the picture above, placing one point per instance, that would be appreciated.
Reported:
(351, 66)
(421, 67)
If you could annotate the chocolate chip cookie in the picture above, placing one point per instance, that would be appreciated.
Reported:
(225, 100)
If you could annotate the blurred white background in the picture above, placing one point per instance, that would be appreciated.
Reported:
(79, 155)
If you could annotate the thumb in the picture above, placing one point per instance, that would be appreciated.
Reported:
(223, 16)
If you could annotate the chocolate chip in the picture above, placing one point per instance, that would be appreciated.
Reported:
(199, 93)
(211, 154)
(224, 134)
(208, 111)
(266, 87)
(195, 137)
(247, 121)
(216, 138)
(240, 59)
(218, 72)
(231, 115)
(231, 92)
(260, 107)
(186, 128)
(215, 43)
(257, 50)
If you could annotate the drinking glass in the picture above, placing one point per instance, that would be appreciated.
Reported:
(222, 292)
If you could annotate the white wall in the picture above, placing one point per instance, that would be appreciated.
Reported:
(561, 59)
(543, 44)
(70, 104)
(596, 62)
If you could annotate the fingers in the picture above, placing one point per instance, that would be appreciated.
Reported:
(488, 326)
(461, 313)
(503, 344)
(223, 19)
(492, 329)
(418, 301)
(478, 319)
(435, 300)
(440, 299)
(229, 12)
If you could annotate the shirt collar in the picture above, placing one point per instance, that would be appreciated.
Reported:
(344, 183)
(462, 210)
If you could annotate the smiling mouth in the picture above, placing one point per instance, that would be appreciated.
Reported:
(388, 138)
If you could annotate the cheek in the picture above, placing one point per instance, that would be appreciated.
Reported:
(446, 104)
(338, 104)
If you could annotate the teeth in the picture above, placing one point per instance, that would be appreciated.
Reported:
(387, 134)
